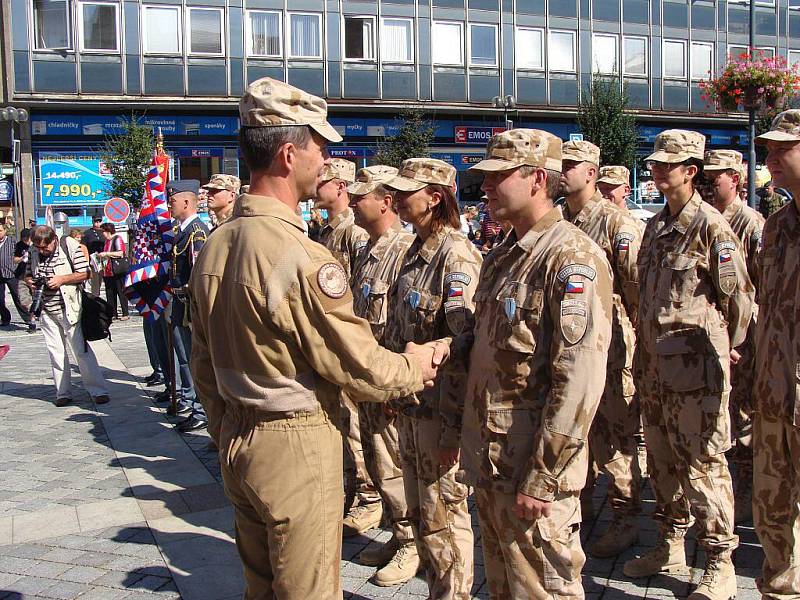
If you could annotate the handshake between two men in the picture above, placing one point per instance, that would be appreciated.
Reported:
(430, 356)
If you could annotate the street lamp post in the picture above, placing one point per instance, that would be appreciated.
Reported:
(751, 160)
(506, 103)
(15, 115)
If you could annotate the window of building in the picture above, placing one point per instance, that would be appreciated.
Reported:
(635, 55)
(205, 31)
(605, 55)
(162, 29)
(482, 45)
(263, 33)
(99, 27)
(561, 50)
(305, 32)
(794, 3)
(794, 58)
(397, 40)
(702, 60)
(359, 38)
(529, 48)
(758, 2)
(51, 24)
(735, 51)
(674, 59)
(447, 43)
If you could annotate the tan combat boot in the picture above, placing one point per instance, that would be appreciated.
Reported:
(378, 556)
(718, 581)
(743, 499)
(622, 533)
(668, 556)
(362, 518)
(403, 566)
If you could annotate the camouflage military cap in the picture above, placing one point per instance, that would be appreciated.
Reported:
(678, 145)
(519, 147)
(722, 160)
(785, 128)
(221, 181)
(416, 173)
(270, 103)
(580, 151)
(339, 168)
(369, 178)
(614, 175)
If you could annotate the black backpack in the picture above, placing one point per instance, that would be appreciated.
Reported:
(96, 313)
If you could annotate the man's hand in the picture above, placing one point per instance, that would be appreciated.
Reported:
(735, 357)
(528, 508)
(448, 457)
(425, 356)
(55, 282)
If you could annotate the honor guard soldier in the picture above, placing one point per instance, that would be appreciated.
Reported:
(275, 338)
(190, 236)
(375, 271)
(723, 170)
(696, 302)
(613, 446)
(537, 371)
(222, 192)
(776, 428)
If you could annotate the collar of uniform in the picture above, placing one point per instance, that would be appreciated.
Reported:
(184, 225)
(433, 243)
(534, 233)
(683, 219)
(340, 218)
(379, 248)
(250, 205)
(587, 211)
(733, 208)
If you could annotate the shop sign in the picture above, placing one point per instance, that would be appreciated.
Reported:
(72, 178)
(6, 190)
(475, 135)
(98, 125)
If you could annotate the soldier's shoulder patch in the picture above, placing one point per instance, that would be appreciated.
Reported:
(360, 244)
(623, 239)
(332, 280)
(456, 276)
(719, 247)
(726, 272)
(577, 269)
(755, 237)
(574, 320)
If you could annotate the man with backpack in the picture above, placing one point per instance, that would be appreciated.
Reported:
(58, 268)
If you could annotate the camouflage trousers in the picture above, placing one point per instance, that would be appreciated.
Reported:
(381, 444)
(358, 483)
(531, 561)
(437, 509)
(742, 383)
(283, 477)
(776, 502)
(613, 448)
(687, 434)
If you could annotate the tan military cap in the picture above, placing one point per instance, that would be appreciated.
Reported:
(580, 151)
(270, 103)
(220, 181)
(615, 175)
(518, 147)
(678, 145)
(722, 160)
(369, 178)
(785, 128)
(339, 168)
(416, 173)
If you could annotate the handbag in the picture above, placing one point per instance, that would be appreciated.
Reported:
(120, 266)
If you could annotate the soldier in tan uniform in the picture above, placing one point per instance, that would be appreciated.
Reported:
(222, 191)
(613, 183)
(612, 442)
(539, 348)
(696, 301)
(432, 300)
(274, 339)
(776, 427)
(723, 170)
(374, 273)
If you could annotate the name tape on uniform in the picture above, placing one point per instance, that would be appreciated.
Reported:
(459, 277)
(584, 270)
(720, 246)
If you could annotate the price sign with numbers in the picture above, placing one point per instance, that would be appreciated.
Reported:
(72, 178)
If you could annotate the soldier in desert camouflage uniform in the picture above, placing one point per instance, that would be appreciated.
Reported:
(612, 443)
(776, 428)
(374, 272)
(539, 349)
(613, 183)
(345, 240)
(696, 301)
(432, 300)
(723, 169)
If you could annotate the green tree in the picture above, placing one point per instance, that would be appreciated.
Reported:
(604, 121)
(412, 141)
(127, 156)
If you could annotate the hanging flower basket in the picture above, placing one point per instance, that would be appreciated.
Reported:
(751, 81)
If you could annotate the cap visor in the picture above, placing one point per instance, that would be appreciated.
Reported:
(667, 157)
(494, 164)
(404, 184)
(719, 168)
(213, 187)
(327, 131)
(611, 181)
(777, 136)
(361, 188)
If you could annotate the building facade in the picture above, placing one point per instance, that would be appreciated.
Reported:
(80, 66)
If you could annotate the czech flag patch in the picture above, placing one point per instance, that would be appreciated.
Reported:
(455, 292)
(574, 287)
(725, 257)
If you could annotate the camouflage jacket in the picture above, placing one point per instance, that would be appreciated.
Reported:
(538, 361)
(374, 272)
(344, 239)
(619, 237)
(432, 299)
(747, 224)
(777, 393)
(696, 299)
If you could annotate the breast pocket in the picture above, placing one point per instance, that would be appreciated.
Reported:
(520, 306)
(425, 307)
(678, 277)
(374, 292)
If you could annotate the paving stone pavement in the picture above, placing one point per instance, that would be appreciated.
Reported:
(112, 503)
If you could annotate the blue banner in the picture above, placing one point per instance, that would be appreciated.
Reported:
(99, 125)
(72, 178)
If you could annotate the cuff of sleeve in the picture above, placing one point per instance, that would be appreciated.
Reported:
(540, 485)
(450, 438)
(416, 383)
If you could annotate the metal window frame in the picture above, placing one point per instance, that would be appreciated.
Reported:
(646, 57)
(699, 44)
(618, 54)
(117, 25)
(541, 32)
(68, 21)
(574, 35)
(375, 41)
(460, 25)
(145, 29)
(288, 36)
(187, 30)
(412, 39)
(248, 31)
(495, 28)
(684, 44)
